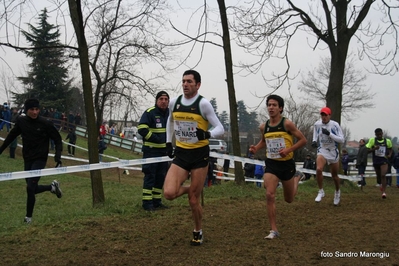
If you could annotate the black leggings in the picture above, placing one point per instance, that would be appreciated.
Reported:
(32, 185)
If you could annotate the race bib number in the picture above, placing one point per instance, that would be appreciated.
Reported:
(273, 146)
(186, 131)
(381, 151)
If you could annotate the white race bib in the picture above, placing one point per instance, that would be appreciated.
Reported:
(380, 152)
(273, 147)
(186, 131)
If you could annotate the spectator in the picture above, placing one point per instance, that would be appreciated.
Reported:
(345, 161)
(63, 121)
(71, 120)
(113, 129)
(44, 112)
(152, 128)
(309, 164)
(389, 171)
(259, 171)
(51, 113)
(14, 115)
(249, 168)
(13, 146)
(103, 131)
(57, 115)
(6, 120)
(101, 148)
(72, 141)
(106, 128)
(226, 166)
(78, 119)
(396, 166)
(361, 162)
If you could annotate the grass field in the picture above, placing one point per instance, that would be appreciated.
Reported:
(69, 231)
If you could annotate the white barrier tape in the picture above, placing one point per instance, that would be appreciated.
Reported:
(79, 168)
(248, 160)
(309, 171)
(235, 158)
(2, 120)
(131, 168)
(124, 163)
(216, 171)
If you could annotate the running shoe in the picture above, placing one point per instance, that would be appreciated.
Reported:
(337, 197)
(320, 195)
(55, 188)
(197, 240)
(301, 175)
(384, 196)
(272, 234)
(27, 220)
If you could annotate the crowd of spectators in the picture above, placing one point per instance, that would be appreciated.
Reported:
(71, 118)
(9, 114)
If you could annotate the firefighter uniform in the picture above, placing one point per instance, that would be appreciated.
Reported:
(152, 128)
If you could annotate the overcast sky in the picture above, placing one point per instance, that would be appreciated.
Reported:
(212, 69)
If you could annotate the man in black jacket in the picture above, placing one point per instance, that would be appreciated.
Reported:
(361, 162)
(36, 133)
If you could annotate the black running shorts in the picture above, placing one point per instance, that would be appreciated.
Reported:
(284, 170)
(189, 159)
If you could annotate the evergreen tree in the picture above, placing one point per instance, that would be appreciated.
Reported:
(47, 78)
(215, 106)
(247, 122)
(224, 119)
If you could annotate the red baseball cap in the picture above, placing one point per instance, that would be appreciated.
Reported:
(325, 110)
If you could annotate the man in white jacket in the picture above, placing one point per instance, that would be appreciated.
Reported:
(328, 134)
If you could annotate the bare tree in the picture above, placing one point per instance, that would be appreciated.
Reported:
(355, 97)
(7, 83)
(202, 37)
(266, 29)
(303, 116)
(124, 37)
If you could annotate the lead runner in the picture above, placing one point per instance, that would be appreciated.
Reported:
(189, 118)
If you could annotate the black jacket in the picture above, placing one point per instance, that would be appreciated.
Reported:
(152, 127)
(36, 135)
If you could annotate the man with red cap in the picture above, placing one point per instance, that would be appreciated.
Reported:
(327, 134)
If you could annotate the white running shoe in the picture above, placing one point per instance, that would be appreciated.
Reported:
(272, 234)
(337, 197)
(55, 188)
(320, 195)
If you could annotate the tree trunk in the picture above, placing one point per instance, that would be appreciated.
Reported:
(239, 175)
(96, 179)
